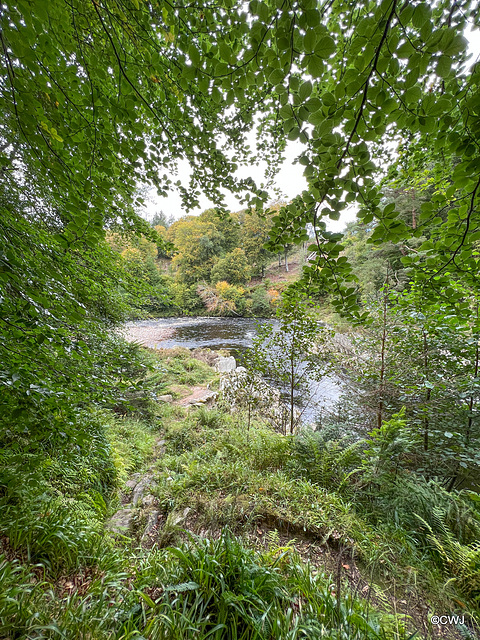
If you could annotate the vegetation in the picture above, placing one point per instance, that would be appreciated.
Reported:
(64, 574)
(101, 101)
(203, 266)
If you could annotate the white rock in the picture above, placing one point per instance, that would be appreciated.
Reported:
(225, 364)
(165, 398)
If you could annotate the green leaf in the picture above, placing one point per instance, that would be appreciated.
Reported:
(315, 66)
(443, 66)
(325, 47)
(310, 40)
(305, 90)
(421, 14)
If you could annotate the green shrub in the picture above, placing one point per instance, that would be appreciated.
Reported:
(261, 303)
(330, 463)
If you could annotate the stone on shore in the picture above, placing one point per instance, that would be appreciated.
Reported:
(165, 398)
(225, 364)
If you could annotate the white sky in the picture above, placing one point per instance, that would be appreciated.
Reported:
(289, 180)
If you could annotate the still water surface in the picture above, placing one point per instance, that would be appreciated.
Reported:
(233, 334)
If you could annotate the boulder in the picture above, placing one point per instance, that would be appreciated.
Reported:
(145, 483)
(149, 532)
(176, 519)
(225, 364)
(165, 398)
(120, 522)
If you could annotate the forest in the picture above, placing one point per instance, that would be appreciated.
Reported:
(147, 494)
(207, 265)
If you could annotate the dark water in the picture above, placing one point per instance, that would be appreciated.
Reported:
(234, 335)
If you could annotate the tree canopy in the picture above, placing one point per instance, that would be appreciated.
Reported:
(98, 98)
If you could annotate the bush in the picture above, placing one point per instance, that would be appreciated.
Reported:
(232, 268)
(261, 303)
(185, 298)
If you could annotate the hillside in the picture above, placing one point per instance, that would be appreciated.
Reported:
(230, 532)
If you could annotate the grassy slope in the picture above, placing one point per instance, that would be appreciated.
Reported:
(317, 567)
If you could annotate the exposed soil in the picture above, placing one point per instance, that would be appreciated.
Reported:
(278, 274)
(198, 394)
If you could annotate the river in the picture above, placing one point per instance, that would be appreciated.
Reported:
(232, 334)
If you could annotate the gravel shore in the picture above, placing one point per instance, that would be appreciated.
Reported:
(148, 336)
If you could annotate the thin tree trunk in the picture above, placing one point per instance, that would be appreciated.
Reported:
(292, 397)
(428, 394)
(414, 213)
(382, 356)
(471, 401)
(286, 259)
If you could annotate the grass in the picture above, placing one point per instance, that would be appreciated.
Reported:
(258, 479)
(132, 442)
(181, 371)
(287, 546)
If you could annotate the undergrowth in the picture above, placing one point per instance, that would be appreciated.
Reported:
(62, 575)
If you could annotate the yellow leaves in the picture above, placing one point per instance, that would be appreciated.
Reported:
(169, 36)
(274, 297)
(52, 132)
(222, 288)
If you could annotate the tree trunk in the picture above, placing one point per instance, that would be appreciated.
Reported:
(471, 401)
(286, 259)
(382, 356)
(428, 393)
(292, 396)
(414, 213)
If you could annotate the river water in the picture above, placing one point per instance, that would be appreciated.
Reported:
(234, 335)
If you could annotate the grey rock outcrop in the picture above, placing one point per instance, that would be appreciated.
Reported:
(141, 506)
(120, 522)
(225, 364)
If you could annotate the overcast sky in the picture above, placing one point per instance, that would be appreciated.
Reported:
(289, 180)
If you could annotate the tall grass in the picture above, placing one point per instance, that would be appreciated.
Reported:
(221, 590)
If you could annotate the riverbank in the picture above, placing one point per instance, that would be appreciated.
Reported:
(235, 336)
(226, 518)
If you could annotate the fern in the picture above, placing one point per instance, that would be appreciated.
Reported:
(329, 464)
(460, 561)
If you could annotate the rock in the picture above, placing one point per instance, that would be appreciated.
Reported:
(145, 483)
(165, 398)
(200, 396)
(148, 501)
(134, 480)
(176, 519)
(225, 364)
(120, 521)
(149, 528)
